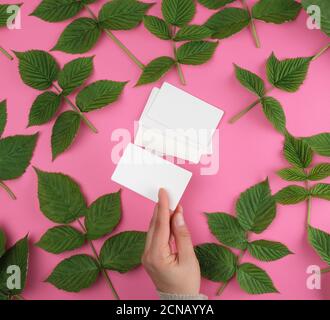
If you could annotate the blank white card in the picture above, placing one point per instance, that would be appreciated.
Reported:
(145, 173)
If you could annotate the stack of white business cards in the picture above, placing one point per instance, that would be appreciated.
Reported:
(175, 123)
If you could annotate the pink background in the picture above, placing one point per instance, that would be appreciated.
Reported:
(250, 150)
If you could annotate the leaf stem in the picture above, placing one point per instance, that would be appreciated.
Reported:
(7, 189)
(18, 297)
(242, 113)
(117, 41)
(6, 53)
(321, 52)
(104, 272)
(309, 204)
(75, 108)
(178, 65)
(225, 284)
(252, 24)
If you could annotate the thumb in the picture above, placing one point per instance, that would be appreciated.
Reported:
(182, 236)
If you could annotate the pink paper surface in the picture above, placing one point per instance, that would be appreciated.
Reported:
(250, 150)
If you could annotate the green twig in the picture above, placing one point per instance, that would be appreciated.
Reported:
(252, 24)
(117, 41)
(7, 189)
(104, 272)
(309, 204)
(178, 65)
(75, 108)
(321, 52)
(325, 270)
(6, 53)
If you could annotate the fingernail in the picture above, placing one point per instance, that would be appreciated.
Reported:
(179, 220)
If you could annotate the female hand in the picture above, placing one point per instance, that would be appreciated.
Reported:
(172, 271)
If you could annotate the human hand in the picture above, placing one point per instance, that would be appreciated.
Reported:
(172, 271)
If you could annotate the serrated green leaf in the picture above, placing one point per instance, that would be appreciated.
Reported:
(324, 6)
(227, 22)
(79, 36)
(99, 94)
(288, 74)
(38, 69)
(292, 174)
(227, 230)
(2, 242)
(123, 251)
(320, 143)
(321, 191)
(44, 108)
(59, 10)
(192, 33)
(274, 113)
(60, 239)
(157, 27)
(217, 263)
(250, 81)
(3, 116)
(75, 273)
(320, 241)
(214, 4)
(74, 74)
(291, 195)
(254, 280)
(4, 15)
(297, 152)
(17, 255)
(122, 14)
(276, 11)
(103, 216)
(60, 198)
(155, 70)
(319, 172)
(64, 132)
(178, 12)
(15, 155)
(256, 208)
(196, 52)
(265, 250)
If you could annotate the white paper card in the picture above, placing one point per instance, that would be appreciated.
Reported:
(145, 173)
(174, 108)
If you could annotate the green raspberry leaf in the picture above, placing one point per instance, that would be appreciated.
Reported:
(265, 250)
(320, 143)
(320, 241)
(75, 273)
(64, 132)
(61, 239)
(227, 230)
(193, 33)
(60, 198)
(157, 27)
(4, 15)
(256, 208)
(178, 12)
(122, 14)
(103, 216)
(123, 252)
(44, 108)
(79, 36)
(214, 4)
(3, 116)
(74, 74)
(276, 11)
(291, 195)
(292, 174)
(99, 94)
(38, 69)
(155, 70)
(196, 52)
(274, 113)
(15, 155)
(321, 191)
(288, 74)
(250, 81)
(227, 22)
(319, 172)
(217, 263)
(254, 280)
